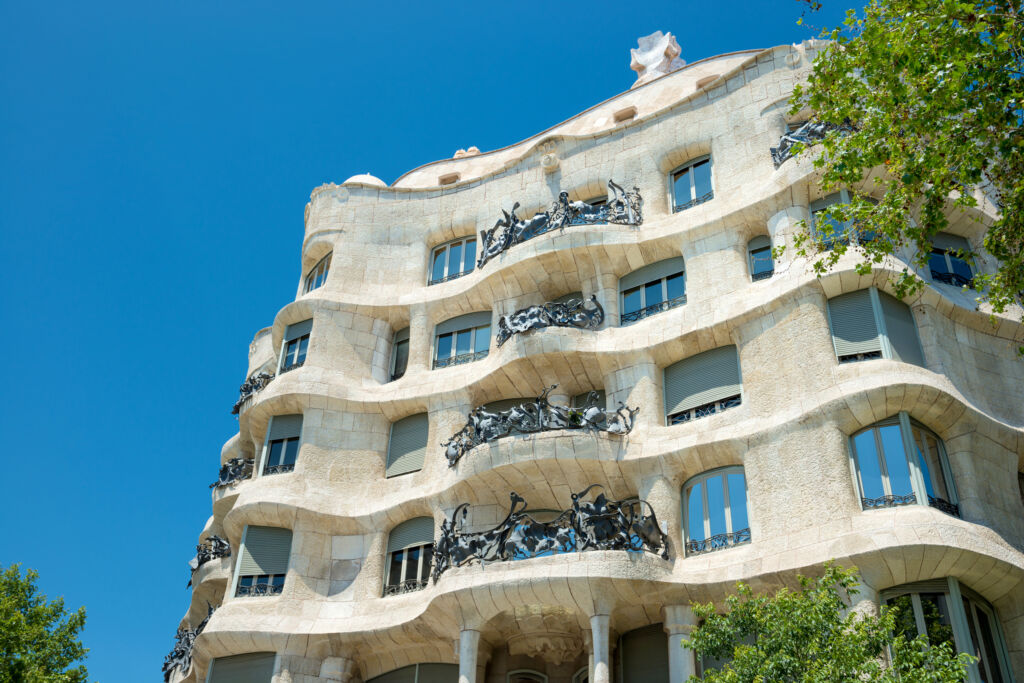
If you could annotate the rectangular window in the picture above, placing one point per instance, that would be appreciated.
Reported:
(257, 667)
(295, 345)
(452, 260)
(462, 340)
(868, 324)
(702, 385)
(282, 444)
(654, 288)
(691, 184)
(263, 561)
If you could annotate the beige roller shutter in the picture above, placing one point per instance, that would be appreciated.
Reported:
(413, 532)
(706, 377)
(257, 667)
(265, 551)
(408, 445)
(901, 330)
(853, 324)
(297, 330)
(463, 322)
(285, 427)
(654, 271)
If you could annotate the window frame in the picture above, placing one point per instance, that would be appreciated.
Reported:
(299, 349)
(751, 252)
(453, 357)
(283, 467)
(446, 248)
(396, 341)
(730, 533)
(316, 279)
(425, 562)
(693, 200)
(665, 304)
(885, 344)
(236, 575)
(951, 277)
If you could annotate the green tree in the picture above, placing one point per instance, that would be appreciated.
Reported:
(38, 639)
(935, 94)
(811, 636)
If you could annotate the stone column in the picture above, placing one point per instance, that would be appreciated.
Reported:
(606, 287)
(637, 383)
(419, 339)
(665, 499)
(601, 650)
(782, 228)
(341, 669)
(469, 643)
(679, 622)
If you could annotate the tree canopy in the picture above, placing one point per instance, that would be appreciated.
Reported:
(932, 95)
(810, 635)
(39, 640)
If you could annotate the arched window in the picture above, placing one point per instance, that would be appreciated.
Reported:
(702, 385)
(400, 354)
(525, 676)
(654, 288)
(900, 462)
(318, 274)
(462, 340)
(759, 253)
(407, 445)
(869, 324)
(691, 184)
(946, 611)
(410, 553)
(948, 261)
(715, 511)
(452, 260)
(420, 673)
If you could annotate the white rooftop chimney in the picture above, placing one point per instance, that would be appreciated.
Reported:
(657, 56)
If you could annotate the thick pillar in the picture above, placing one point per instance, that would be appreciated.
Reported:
(636, 381)
(469, 644)
(602, 669)
(665, 499)
(419, 339)
(679, 622)
(339, 669)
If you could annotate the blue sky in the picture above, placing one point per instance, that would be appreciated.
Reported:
(155, 159)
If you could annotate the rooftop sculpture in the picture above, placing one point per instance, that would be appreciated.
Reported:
(657, 56)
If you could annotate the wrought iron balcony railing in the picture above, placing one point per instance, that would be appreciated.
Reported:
(283, 468)
(234, 470)
(944, 506)
(952, 278)
(288, 368)
(585, 314)
(704, 410)
(647, 311)
(459, 359)
(888, 501)
(707, 196)
(446, 278)
(858, 357)
(718, 542)
(763, 275)
(409, 586)
(259, 590)
(249, 388)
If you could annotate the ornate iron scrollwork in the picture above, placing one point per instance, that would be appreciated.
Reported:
(888, 501)
(944, 505)
(624, 208)
(408, 586)
(807, 134)
(180, 656)
(234, 470)
(718, 542)
(572, 313)
(249, 387)
(629, 524)
(211, 548)
(539, 416)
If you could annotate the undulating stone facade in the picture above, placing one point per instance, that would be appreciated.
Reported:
(892, 442)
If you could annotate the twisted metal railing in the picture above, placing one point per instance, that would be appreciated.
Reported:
(408, 586)
(888, 501)
(718, 542)
(459, 359)
(249, 388)
(211, 548)
(646, 311)
(233, 471)
(572, 313)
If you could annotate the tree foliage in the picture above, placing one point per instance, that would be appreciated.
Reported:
(811, 636)
(39, 640)
(934, 91)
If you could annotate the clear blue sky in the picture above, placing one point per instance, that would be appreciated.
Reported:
(155, 159)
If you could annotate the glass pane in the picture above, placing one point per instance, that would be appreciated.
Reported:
(444, 346)
(761, 260)
(988, 647)
(682, 190)
(462, 341)
(428, 556)
(702, 178)
(483, 338)
(652, 293)
(935, 609)
(303, 345)
(937, 261)
(470, 261)
(896, 461)
(961, 268)
(401, 358)
(867, 464)
(291, 451)
(276, 448)
(632, 300)
(906, 623)
(412, 563)
(676, 285)
(277, 580)
(716, 505)
(454, 259)
(437, 270)
(931, 467)
(828, 229)
(695, 514)
(395, 570)
(289, 353)
(738, 501)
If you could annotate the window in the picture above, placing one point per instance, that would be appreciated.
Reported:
(295, 345)
(400, 354)
(948, 260)
(462, 340)
(525, 676)
(702, 385)
(452, 260)
(829, 231)
(407, 445)
(410, 553)
(946, 611)
(282, 447)
(691, 184)
(715, 511)
(263, 561)
(318, 275)
(643, 656)
(869, 324)
(652, 289)
(759, 252)
(581, 676)
(900, 462)
(420, 673)
(257, 667)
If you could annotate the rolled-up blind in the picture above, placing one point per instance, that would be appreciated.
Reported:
(654, 271)
(257, 667)
(408, 445)
(706, 377)
(645, 655)
(298, 330)
(948, 242)
(402, 335)
(285, 427)
(759, 242)
(853, 324)
(413, 532)
(901, 330)
(463, 322)
(265, 551)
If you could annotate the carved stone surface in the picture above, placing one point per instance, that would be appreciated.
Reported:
(249, 387)
(601, 524)
(656, 56)
(554, 647)
(624, 208)
(211, 548)
(808, 134)
(180, 656)
(527, 418)
(573, 313)
(234, 470)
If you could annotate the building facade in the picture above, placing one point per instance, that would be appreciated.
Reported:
(528, 405)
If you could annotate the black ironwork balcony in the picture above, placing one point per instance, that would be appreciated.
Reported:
(234, 470)
(459, 359)
(944, 506)
(888, 501)
(249, 388)
(707, 196)
(704, 410)
(259, 590)
(763, 275)
(283, 468)
(952, 278)
(858, 357)
(287, 368)
(718, 542)
(446, 278)
(409, 586)
(646, 311)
